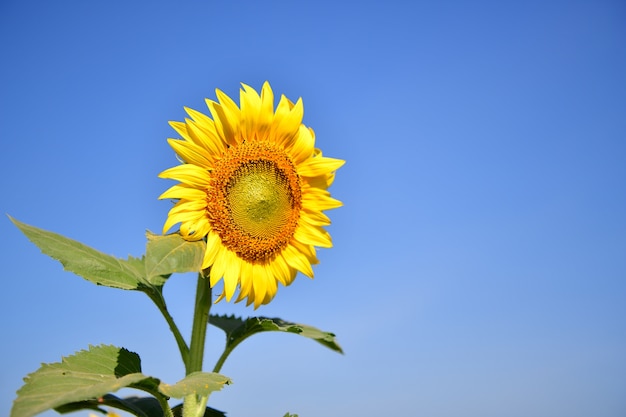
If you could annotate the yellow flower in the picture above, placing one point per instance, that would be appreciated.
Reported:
(254, 185)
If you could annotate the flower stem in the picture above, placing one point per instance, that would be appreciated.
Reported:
(159, 301)
(194, 405)
(200, 322)
(222, 358)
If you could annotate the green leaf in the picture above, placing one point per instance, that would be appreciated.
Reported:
(85, 379)
(82, 260)
(238, 330)
(86, 375)
(139, 406)
(171, 253)
(201, 383)
(208, 412)
(165, 255)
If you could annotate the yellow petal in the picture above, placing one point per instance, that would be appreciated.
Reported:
(184, 216)
(183, 191)
(292, 272)
(314, 217)
(312, 235)
(266, 112)
(250, 105)
(203, 121)
(302, 146)
(213, 245)
(307, 250)
(196, 229)
(181, 129)
(188, 174)
(280, 270)
(297, 260)
(231, 275)
(272, 287)
(191, 153)
(287, 122)
(316, 199)
(313, 167)
(219, 266)
(189, 206)
(245, 283)
(261, 282)
(254, 124)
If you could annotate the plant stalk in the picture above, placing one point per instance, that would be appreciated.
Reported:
(194, 405)
(200, 323)
(157, 298)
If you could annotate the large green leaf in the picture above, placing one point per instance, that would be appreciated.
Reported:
(86, 375)
(171, 253)
(85, 380)
(238, 329)
(82, 260)
(165, 255)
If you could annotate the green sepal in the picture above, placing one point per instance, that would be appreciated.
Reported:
(238, 329)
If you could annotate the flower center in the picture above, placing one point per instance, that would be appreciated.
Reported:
(254, 201)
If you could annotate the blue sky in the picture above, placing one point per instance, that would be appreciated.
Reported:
(479, 266)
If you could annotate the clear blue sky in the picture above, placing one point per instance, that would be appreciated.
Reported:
(479, 266)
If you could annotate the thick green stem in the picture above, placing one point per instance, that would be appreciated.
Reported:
(195, 405)
(200, 322)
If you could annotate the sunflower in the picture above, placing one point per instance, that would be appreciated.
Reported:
(254, 186)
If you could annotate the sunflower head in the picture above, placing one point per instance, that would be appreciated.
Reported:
(253, 185)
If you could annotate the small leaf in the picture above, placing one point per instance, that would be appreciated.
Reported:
(86, 375)
(201, 383)
(139, 406)
(238, 329)
(171, 253)
(208, 412)
(82, 260)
